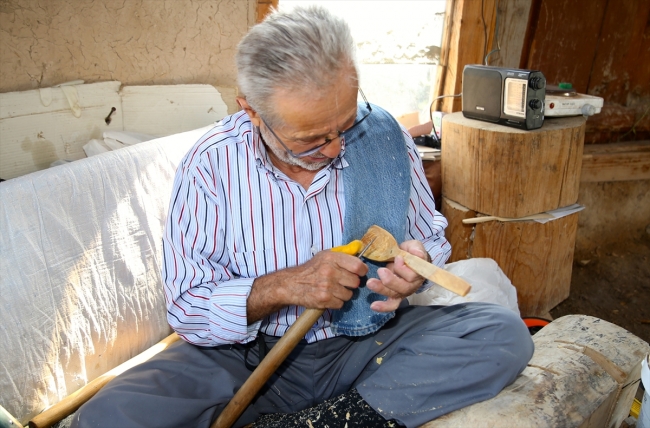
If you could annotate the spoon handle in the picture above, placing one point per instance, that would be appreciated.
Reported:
(433, 273)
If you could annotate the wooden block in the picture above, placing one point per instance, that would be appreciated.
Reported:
(583, 374)
(616, 162)
(507, 172)
(538, 259)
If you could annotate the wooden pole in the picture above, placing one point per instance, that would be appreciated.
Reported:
(73, 401)
(266, 368)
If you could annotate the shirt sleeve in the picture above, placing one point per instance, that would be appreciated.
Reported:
(206, 303)
(424, 222)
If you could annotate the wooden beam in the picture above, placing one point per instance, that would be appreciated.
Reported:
(616, 162)
(264, 8)
(463, 42)
(72, 402)
(441, 74)
(468, 39)
(512, 22)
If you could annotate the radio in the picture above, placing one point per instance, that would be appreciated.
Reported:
(510, 97)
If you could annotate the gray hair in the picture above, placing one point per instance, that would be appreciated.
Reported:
(303, 49)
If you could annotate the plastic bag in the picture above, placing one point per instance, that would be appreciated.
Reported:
(489, 284)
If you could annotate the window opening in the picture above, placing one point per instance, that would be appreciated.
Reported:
(398, 49)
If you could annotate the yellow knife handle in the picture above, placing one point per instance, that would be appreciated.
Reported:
(351, 248)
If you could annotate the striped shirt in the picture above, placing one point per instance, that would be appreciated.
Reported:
(234, 217)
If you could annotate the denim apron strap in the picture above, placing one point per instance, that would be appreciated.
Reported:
(377, 185)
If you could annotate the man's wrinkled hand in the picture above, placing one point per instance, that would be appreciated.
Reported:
(397, 281)
(326, 281)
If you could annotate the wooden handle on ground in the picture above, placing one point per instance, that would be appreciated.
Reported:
(73, 401)
(266, 368)
(433, 273)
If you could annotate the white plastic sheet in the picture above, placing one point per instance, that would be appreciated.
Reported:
(489, 284)
(80, 280)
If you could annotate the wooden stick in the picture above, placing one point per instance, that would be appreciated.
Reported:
(266, 368)
(7, 419)
(438, 275)
(385, 248)
(72, 402)
(279, 353)
(483, 219)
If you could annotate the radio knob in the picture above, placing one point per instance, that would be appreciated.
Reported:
(535, 104)
(537, 83)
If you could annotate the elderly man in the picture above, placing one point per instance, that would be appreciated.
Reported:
(256, 205)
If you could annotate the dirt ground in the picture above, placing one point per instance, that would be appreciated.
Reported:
(613, 284)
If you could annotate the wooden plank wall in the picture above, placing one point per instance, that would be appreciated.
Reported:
(601, 47)
(468, 36)
(471, 32)
(597, 45)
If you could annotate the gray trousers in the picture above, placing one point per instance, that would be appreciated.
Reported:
(424, 363)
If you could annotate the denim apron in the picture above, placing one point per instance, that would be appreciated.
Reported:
(377, 183)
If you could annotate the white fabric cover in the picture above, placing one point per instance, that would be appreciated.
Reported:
(80, 281)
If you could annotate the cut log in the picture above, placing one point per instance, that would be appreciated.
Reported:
(507, 172)
(584, 373)
(536, 257)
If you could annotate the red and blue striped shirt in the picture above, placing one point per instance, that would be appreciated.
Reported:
(234, 217)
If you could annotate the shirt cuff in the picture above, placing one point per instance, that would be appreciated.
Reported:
(229, 312)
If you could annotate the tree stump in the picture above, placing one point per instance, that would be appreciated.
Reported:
(508, 172)
(536, 257)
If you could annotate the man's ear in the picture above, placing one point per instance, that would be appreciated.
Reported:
(255, 118)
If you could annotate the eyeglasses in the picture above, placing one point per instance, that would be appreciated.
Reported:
(327, 140)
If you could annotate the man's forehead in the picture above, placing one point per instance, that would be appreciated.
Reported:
(304, 110)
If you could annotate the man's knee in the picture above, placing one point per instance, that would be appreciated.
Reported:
(512, 346)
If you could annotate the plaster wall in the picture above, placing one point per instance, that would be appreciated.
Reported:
(137, 42)
(616, 212)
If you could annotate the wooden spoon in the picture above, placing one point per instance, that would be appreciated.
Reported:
(385, 248)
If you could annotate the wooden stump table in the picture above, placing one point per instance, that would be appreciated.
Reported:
(490, 169)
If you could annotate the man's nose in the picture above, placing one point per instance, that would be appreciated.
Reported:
(333, 149)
